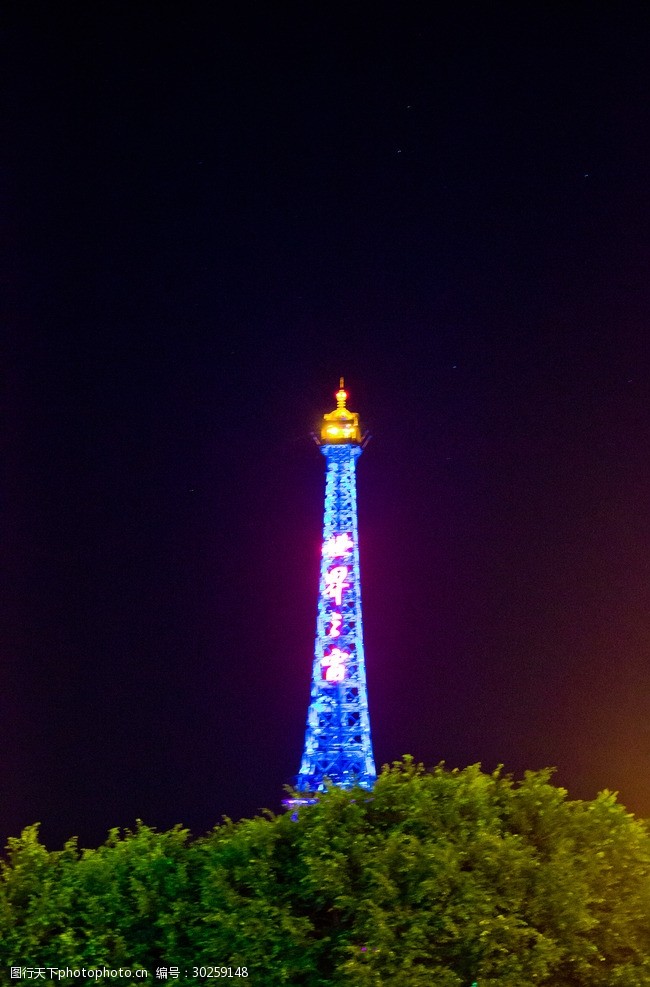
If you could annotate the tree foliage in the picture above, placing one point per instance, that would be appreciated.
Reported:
(435, 879)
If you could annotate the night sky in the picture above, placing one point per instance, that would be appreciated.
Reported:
(207, 219)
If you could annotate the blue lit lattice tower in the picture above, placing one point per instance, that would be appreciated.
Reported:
(337, 740)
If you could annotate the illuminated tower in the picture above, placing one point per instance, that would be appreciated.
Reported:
(337, 739)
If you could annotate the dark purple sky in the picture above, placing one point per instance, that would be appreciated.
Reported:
(206, 223)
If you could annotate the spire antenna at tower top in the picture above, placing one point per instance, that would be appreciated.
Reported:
(341, 425)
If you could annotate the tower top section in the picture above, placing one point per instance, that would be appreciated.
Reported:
(341, 426)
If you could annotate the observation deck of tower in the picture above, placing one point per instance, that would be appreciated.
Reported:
(338, 746)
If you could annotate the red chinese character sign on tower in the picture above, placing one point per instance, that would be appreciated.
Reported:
(338, 745)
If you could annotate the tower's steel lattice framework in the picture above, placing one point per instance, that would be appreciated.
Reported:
(338, 745)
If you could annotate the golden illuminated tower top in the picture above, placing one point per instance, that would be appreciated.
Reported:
(341, 425)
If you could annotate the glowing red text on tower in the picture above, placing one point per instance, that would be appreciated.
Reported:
(333, 665)
(337, 545)
(335, 582)
(335, 626)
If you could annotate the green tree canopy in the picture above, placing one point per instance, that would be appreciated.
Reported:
(434, 879)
